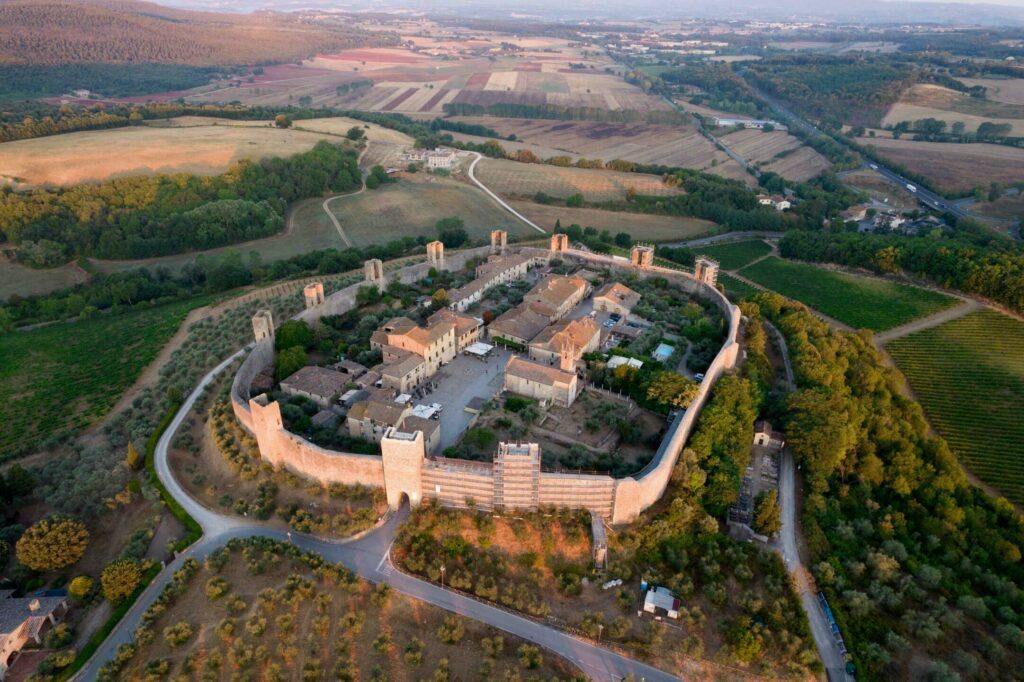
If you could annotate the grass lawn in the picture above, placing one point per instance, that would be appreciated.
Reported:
(735, 255)
(735, 289)
(860, 302)
(969, 376)
(68, 375)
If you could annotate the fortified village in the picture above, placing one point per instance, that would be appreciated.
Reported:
(535, 350)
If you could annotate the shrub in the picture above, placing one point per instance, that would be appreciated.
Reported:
(119, 579)
(53, 543)
(80, 587)
(451, 630)
(216, 588)
(178, 634)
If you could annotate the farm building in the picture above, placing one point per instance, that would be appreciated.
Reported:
(751, 123)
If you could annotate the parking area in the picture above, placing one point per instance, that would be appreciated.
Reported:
(464, 378)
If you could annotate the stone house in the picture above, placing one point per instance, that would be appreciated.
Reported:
(519, 325)
(573, 336)
(319, 384)
(467, 327)
(24, 620)
(370, 420)
(548, 385)
(766, 436)
(556, 295)
(615, 297)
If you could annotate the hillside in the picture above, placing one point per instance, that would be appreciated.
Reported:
(49, 32)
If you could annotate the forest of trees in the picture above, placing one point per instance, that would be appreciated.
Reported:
(923, 570)
(142, 217)
(995, 271)
(855, 90)
(720, 86)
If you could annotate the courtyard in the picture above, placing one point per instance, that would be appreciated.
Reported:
(458, 383)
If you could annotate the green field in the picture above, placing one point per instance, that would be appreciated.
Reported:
(411, 208)
(735, 289)
(69, 375)
(969, 376)
(735, 255)
(861, 302)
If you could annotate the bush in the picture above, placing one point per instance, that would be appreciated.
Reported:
(178, 634)
(119, 579)
(451, 630)
(80, 587)
(53, 543)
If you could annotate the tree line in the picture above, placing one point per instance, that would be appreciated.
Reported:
(142, 217)
(994, 270)
(915, 561)
(560, 113)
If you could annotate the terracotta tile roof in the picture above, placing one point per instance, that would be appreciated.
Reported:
(318, 381)
(522, 322)
(618, 293)
(578, 332)
(463, 323)
(405, 363)
(541, 374)
(379, 412)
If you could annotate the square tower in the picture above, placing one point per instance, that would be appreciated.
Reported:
(706, 270)
(263, 325)
(642, 256)
(499, 240)
(559, 243)
(373, 271)
(435, 254)
(517, 476)
(314, 294)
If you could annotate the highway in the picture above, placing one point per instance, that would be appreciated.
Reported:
(925, 196)
(370, 557)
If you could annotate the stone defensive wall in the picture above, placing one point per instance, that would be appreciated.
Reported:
(405, 471)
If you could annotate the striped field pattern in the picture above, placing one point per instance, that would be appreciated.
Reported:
(969, 376)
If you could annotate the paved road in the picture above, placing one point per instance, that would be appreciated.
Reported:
(787, 546)
(472, 176)
(706, 133)
(369, 556)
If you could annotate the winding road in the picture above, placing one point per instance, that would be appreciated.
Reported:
(369, 556)
(501, 202)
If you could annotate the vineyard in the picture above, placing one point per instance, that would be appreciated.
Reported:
(969, 376)
(860, 302)
(67, 376)
(735, 289)
(735, 255)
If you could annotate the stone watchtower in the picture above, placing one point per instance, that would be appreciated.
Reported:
(435, 254)
(403, 455)
(314, 294)
(263, 325)
(706, 270)
(567, 357)
(373, 272)
(642, 256)
(499, 240)
(559, 243)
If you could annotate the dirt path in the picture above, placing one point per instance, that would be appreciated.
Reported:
(967, 306)
(330, 214)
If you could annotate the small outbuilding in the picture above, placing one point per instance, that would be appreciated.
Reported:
(662, 602)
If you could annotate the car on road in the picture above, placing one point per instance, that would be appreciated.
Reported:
(873, 167)
(699, 376)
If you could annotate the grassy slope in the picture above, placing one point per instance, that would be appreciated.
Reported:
(735, 255)
(969, 375)
(860, 302)
(68, 375)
